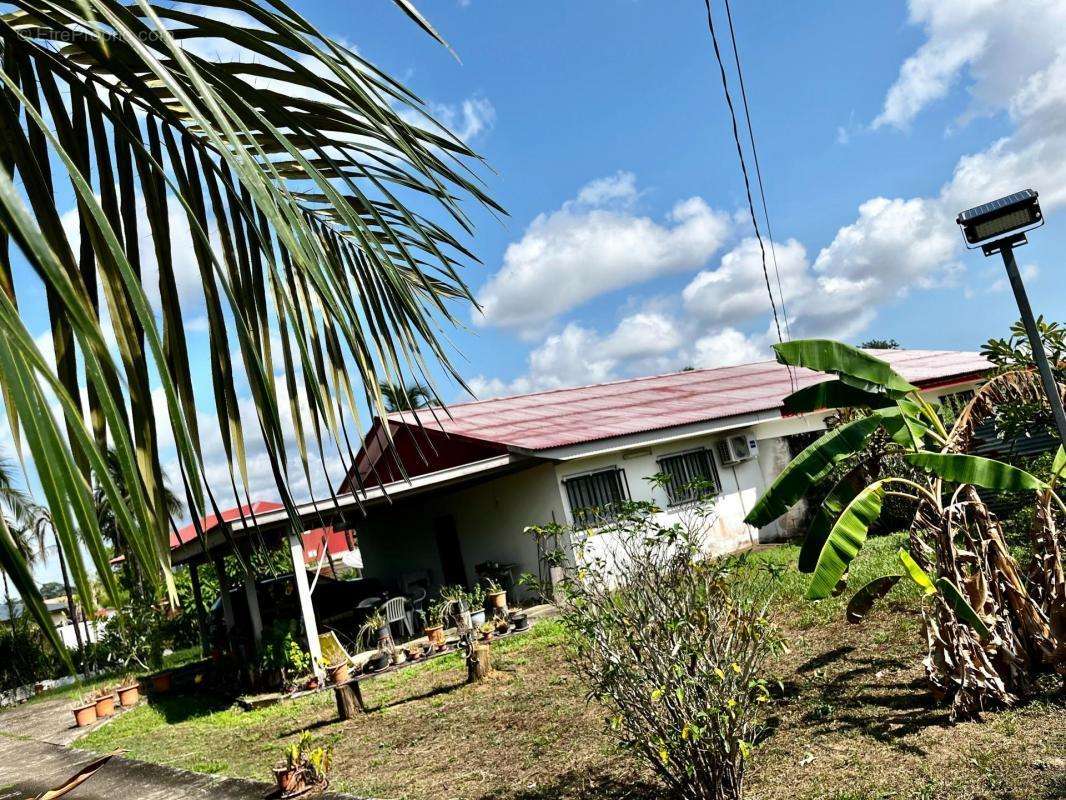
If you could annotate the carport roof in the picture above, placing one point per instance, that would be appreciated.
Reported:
(562, 417)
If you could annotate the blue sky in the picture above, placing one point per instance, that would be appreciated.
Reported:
(569, 94)
(627, 250)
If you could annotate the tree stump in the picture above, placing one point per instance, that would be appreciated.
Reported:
(349, 698)
(478, 662)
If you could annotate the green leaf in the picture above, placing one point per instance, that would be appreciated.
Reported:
(863, 600)
(957, 600)
(810, 466)
(822, 521)
(825, 355)
(1058, 466)
(833, 394)
(845, 540)
(916, 573)
(976, 470)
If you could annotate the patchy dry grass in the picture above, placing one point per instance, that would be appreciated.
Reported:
(853, 723)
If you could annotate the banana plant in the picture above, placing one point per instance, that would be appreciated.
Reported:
(980, 605)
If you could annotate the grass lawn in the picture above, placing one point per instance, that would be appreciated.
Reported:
(853, 722)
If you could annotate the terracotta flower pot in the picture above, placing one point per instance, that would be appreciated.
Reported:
(288, 779)
(105, 706)
(129, 695)
(435, 635)
(498, 600)
(85, 716)
(338, 673)
(161, 682)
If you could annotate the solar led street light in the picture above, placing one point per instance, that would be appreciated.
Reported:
(999, 227)
(1017, 212)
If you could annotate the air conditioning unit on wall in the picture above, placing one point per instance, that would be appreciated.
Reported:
(737, 448)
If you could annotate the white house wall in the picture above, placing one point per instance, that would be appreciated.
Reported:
(741, 487)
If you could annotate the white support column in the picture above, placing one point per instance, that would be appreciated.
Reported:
(303, 592)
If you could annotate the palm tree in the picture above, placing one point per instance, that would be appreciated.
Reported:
(292, 162)
(109, 528)
(15, 517)
(400, 397)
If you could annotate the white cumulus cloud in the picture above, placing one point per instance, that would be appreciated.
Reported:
(593, 245)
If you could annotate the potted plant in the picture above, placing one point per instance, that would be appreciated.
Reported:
(377, 662)
(502, 626)
(414, 653)
(104, 703)
(399, 656)
(290, 774)
(475, 600)
(435, 624)
(338, 673)
(161, 682)
(520, 621)
(486, 629)
(312, 683)
(129, 691)
(496, 595)
(304, 767)
(85, 712)
(317, 765)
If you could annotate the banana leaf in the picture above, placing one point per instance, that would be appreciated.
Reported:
(833, 394)
(916, 573)
(976, 470)
(863, 600)
(845, 539)
(824, 355)
(812, 465)
(822, 521)
(957, 600)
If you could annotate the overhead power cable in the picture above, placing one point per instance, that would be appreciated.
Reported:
(758, 170)
(744, 170)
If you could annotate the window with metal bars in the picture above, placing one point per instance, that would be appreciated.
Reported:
(595, 498)
(692, 476)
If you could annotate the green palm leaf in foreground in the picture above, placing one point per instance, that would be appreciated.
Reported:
(288, 162)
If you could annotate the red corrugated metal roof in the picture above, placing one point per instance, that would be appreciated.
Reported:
(208, 523)
(312, 539)
(561, 417)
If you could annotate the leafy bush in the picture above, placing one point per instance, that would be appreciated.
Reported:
(672, 642)
(281, 652)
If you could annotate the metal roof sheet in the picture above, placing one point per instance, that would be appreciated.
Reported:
(561, 417)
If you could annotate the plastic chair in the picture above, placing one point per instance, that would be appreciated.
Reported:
(398, 609)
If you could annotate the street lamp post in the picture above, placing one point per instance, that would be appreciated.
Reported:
(999, 227)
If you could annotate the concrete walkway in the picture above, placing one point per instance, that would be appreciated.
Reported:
(34, 758)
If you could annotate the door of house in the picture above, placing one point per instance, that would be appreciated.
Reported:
(451, 556)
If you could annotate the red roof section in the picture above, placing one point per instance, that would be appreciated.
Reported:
(564, 417)
(210, 522)
(313, 540)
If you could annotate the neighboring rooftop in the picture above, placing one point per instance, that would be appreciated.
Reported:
(562, 417)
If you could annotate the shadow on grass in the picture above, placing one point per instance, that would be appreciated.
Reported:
(585, 785)
(179, 708)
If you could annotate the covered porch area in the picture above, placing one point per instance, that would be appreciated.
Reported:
(392, 518)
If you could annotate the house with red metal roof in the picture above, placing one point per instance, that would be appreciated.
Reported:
(443, 496)
(552, 456)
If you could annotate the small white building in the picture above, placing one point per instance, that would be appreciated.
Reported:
(479, 473)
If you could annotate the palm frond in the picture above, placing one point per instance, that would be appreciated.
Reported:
(289, 161)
